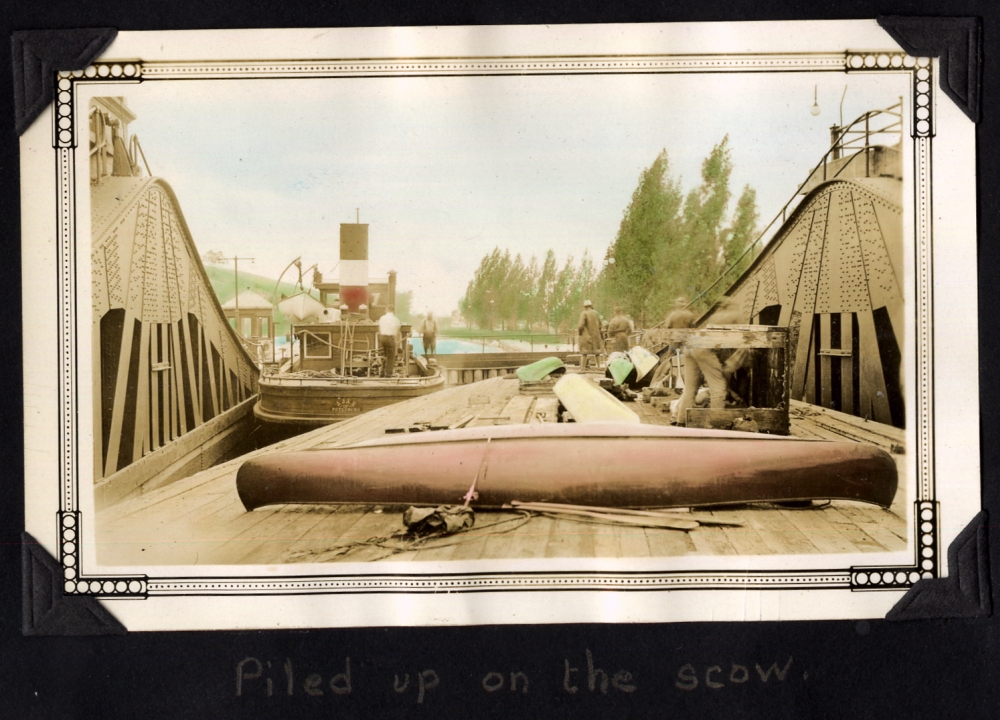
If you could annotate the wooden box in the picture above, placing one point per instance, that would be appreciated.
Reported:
(763, 382)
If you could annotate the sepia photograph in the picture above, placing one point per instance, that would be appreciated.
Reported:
(520, 320)
(592, 233)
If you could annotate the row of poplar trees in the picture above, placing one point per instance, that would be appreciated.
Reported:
(506, 293)
(669, 245)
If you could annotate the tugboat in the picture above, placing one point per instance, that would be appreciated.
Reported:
(337, 369)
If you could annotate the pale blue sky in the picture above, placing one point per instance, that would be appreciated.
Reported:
(444, 169)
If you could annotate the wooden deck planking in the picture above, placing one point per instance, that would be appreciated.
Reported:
(205, 511)
(546, 409)
(492, 411)
(371, 526)
(532, 542)
(634, 541)
(272, 545)
(473, 547)
(711, 541)
(570, 539)
(330, 538)
(777, 533)
(745, 539)
(607, 541)
(320, 536)
(457, 406)
(252, 534)
(884, 527)
(668, 543)
(889, 519)
(519, 408)
(861, 540)
(850, 426)
(499, 543)
(820, 531)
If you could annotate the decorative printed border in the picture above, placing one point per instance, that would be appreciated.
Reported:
(926, 518)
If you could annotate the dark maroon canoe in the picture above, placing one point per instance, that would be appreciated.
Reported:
(605, 464)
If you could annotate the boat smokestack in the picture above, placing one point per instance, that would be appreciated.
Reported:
(392, 288)
(354, 265)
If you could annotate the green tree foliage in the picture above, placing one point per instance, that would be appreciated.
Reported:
(404, 304)
(546, 284)
(671, 245)
(647, 225)
(741, 233)
(509, 294)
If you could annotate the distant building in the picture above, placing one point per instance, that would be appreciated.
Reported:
(256, 320)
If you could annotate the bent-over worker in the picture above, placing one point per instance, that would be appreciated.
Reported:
(389, 329)
(591, 342)
(704, 363)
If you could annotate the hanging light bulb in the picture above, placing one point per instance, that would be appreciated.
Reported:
(815, 108)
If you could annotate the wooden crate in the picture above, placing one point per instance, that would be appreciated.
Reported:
(764, 382)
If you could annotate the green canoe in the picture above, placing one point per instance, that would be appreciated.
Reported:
(541, 369)
(620, 369)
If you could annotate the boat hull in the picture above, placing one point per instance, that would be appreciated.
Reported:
(314, 402)
(617, 465)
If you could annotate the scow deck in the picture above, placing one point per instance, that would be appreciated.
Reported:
(200, 520)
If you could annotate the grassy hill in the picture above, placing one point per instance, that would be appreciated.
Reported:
(223, 283)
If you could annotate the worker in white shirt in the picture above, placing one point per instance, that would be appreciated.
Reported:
(389, 339)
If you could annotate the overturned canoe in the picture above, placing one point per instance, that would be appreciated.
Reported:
(541, 369)
(588, 403)
(644, 362)
(605, 464)
(621, 370)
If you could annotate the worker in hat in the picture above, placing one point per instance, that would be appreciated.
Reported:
(591, 342)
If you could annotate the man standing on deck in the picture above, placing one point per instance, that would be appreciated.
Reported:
(618, 331)
(428, 333)
(589, 328)
(389, 338)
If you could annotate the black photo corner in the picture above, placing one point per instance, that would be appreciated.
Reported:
(935, 655)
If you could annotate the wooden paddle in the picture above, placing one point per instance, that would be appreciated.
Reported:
(659, 522)
(638, 513)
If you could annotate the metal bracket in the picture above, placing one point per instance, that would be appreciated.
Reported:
(46, 610)
(39, 54)
(956, 41)
(965, 593)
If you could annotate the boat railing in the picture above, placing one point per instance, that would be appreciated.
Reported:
(257, 347)
(348, 347)
(305, 377)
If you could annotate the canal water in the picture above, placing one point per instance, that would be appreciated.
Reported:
(453, 346)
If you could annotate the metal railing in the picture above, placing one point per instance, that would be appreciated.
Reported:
(532, 339)
(856, 136)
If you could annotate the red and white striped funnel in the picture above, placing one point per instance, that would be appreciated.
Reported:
(354, 265)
